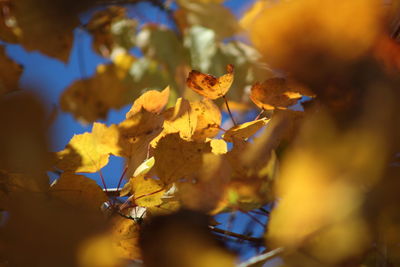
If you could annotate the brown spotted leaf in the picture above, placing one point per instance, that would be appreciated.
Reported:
(210, 86)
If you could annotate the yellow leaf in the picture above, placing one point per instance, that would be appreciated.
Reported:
(208, 119)
(178, 159)
(89, 152)
(210, 86)
(145, 167)
(179, 119)
(153, 101)
(218, 146)
(147, 192)
(244, 130)
(78, 191)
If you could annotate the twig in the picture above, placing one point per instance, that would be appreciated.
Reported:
(262, 258)
(229, 111)
(236, 235)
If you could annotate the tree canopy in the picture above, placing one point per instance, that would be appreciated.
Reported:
(317, 169)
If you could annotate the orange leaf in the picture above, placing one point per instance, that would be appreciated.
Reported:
(210, 86)
(276, 93)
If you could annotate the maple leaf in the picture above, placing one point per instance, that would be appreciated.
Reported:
(89, 152)
(178, 159)
(210, 86)
(90, 99)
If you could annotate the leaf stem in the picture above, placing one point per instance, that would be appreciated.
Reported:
(236, 235)
(229, 110)
(262, 258)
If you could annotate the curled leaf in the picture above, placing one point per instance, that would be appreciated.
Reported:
(210, 86)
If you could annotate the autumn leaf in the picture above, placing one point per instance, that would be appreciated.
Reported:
(153, 101)
(46, 26)
(89, 152)
(90, 99)
(244, 130)
(179, 119)
(178, 159)
(208, 119)
(218, 146)
(205, 190)
(78, 191)
(210, 86)
(276, 93)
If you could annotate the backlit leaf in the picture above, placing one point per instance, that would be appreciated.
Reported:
(244, 130)
(208, 85)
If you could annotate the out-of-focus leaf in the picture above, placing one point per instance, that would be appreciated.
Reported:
(209, 15)
(203, 46)
(153, 101)
(208, 119)
(162, 45)
(108, 26)
(10, 73)
(78, 191)
(125, 234)
(336, 37)
(277, 93)
(23, 139)
(218, 146)
(337, 168)
(185, 237)
(210, 86)
(244, 130)
(204, 191)
(90, 99)
(43, 25)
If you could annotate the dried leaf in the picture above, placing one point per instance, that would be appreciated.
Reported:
(210, 86)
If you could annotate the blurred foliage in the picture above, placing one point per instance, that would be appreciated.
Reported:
(323, 153)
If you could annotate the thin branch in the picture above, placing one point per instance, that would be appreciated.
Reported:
(262, 258)
(236, 235)
(229, 110)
